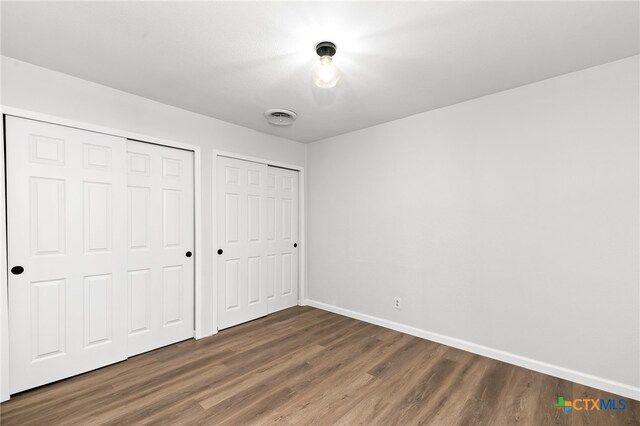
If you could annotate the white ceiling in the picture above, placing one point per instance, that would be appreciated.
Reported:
(233, 60)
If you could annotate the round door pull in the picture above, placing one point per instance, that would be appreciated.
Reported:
(17, 270)
(295, 245)
(220, 251)
(188, 254)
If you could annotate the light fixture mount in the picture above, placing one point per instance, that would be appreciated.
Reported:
(326, 48)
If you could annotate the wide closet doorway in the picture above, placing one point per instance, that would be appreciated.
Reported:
(100, 249)
(257, 233)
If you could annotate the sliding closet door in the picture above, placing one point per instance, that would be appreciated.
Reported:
(160, 279)
(66, 189)
(242, 241)
(282, 237)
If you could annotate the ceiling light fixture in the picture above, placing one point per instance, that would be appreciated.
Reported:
(325, 73)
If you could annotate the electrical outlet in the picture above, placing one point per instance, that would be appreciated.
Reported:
(397, 303)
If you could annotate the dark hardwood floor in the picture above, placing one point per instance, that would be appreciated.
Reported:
(303, 366)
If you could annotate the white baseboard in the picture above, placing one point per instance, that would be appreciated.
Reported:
(531, 364)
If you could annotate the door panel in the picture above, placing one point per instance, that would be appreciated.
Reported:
(173, 291)
(97, 309)
(97, 217)
(47, 215)
(139, 301)
(282, 202)
(67, 309)
(139, 211)
(160, 232)
(48, 318)
(242, 237)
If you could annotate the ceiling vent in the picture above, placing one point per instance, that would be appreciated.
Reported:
(280, 117)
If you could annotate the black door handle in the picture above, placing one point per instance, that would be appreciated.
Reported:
(188, 254)
(220, 251)
(17, 270)
(295, 245)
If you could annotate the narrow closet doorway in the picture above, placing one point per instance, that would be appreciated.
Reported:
(257, 229)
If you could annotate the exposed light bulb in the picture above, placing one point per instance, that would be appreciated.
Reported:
(325, 73)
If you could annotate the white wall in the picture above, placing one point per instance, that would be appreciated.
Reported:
(510, 222)
(37, 89)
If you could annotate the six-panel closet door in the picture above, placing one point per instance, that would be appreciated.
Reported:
(257, 228)
(100, 249)
(160, 238)
(282, 238)
(242, 241)
(67, 251)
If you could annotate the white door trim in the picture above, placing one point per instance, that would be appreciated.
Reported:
(4, 279)
(302, 258)
(197, 173)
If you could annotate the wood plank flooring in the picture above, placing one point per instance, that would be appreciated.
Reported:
(307, 366)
